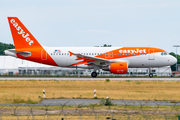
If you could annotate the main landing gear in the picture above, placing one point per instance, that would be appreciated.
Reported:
(94, 74)
(150, 75)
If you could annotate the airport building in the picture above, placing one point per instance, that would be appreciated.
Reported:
(11, 65)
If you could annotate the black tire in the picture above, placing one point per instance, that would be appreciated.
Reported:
(150, 75)
(93, 74)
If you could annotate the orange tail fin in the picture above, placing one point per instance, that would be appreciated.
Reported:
(26, 46)
(21, 36)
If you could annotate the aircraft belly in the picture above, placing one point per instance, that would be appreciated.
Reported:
(134, 62)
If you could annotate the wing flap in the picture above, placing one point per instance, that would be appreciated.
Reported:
(88, 60)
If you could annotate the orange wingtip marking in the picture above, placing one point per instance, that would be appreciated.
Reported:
(71, 53)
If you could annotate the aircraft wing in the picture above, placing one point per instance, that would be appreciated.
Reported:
(89, 60)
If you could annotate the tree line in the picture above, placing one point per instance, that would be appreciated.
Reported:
(4, 46)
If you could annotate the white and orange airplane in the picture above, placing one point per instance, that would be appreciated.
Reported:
(114, 59)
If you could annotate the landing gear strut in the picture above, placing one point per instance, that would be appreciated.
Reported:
(150, 74)
(93, 74)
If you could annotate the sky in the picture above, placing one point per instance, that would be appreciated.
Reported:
(89, 23)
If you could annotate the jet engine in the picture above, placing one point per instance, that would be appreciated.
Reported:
(117, 68)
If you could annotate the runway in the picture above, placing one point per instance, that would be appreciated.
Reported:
(85, 78)
(97, 101)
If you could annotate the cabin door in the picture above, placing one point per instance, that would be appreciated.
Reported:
(151, 54)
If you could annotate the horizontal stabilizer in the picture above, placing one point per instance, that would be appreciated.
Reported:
(13, 52)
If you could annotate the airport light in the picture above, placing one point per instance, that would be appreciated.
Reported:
(176, 54)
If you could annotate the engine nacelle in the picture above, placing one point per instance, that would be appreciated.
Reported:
(117, 68)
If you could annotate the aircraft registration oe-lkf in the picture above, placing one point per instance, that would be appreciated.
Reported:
(117, 60)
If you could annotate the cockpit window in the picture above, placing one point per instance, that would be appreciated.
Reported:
(164, 53)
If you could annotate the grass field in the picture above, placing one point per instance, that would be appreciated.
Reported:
(31, 91)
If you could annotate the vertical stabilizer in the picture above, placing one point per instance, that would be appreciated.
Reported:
(26, 46)
(21, 36)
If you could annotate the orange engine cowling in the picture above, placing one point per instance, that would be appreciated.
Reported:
(118, 68)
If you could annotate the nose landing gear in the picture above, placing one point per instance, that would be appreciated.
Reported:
(150, 73)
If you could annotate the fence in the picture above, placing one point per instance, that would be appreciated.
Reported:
(86, 111)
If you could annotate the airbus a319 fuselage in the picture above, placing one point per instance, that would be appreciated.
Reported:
(114, 59)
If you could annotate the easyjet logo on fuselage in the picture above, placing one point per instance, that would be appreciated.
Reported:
(133, 51)
(21, 32)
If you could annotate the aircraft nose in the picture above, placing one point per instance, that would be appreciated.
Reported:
(173, 60)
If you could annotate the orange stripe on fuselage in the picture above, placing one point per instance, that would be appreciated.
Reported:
(129, 52)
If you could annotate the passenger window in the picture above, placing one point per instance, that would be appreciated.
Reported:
(62, 53)
(128, 53)
(114, 53)
(97, 53)
(92, 53)
(89, 53)
(51, 54)
(67, 53)
(161, 53)
(117, 53)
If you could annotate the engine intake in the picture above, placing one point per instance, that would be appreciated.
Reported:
(117, 68)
